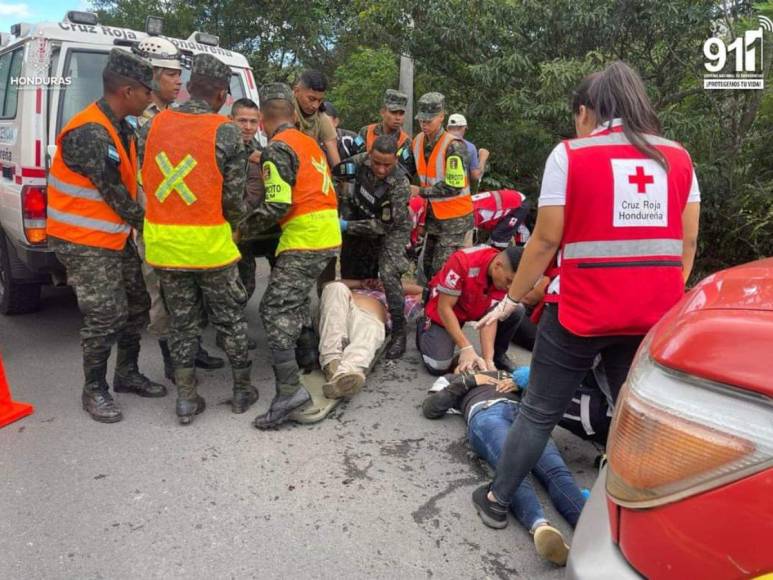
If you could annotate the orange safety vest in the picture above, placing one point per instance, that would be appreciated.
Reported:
(77, 212)
(184, 224)
(433, 170)
(370, 137)
(312, 223)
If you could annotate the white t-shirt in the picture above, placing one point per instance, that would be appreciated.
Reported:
(553, 190)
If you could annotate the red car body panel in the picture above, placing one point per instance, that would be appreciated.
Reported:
(721, 331)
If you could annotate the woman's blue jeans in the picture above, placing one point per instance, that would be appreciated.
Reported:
(487, 431)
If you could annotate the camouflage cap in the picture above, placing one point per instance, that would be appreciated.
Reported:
(395, 100)
(131, 66)
(430, 105)
(213, 68)
(274, 92)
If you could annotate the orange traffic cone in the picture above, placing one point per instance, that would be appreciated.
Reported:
(10, 410)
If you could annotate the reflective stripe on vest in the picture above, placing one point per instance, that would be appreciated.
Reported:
(433, 170)
(184, 224)
(621, 252)
(312, 223)
(77, 212)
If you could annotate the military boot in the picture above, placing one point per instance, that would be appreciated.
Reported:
(128, 378)
(307, 350)
(245, 394)
(189, 402)
(96, 397)
(397, 342)
(290, 394)
(206, 361)
(167, 356)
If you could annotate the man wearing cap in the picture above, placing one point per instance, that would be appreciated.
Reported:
(377, 227)
(299, 196)
(92, 207)
(164, 57)
(441, 167)
(457, 126)
(469, 285)
(392, 116)
(193, 172)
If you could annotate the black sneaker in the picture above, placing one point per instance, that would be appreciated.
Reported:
(492, 513)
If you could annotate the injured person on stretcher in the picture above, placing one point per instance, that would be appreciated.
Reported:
(489, 402)
(353, 325)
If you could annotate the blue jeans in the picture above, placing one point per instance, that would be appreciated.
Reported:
(487, 432)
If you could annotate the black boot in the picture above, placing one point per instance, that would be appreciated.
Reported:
(167, 356)
(96, 397)
(205, 361)
(307, 350)
(245, 395)
(189, 402)
(505, 331)
(290, 394)
(396, 346)
(129, 379)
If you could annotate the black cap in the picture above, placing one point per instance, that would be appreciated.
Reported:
(330, 110)
(514, 254)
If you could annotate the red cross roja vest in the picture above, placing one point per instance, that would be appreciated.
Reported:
(621, 252)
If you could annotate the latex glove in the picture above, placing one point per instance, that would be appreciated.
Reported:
(490, 366)
(501, 311)
(470, 361)
(521, 376)
(344, 225)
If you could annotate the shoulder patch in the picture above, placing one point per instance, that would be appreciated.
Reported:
(112, 154)
(277, 189)
(455, 175)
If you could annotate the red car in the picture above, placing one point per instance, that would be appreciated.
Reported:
(688, 490)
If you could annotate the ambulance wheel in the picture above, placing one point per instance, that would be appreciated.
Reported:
(15, 297)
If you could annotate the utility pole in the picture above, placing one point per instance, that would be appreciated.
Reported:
(406, 86)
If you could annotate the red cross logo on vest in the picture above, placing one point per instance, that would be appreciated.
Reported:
(641, 179)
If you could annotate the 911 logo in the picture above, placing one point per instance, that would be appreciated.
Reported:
(745, 53)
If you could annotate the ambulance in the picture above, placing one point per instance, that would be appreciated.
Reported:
(48, 73)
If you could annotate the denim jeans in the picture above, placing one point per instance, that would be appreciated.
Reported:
(560, 362)
(487, 431)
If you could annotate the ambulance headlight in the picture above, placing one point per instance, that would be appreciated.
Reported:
(78, 17)
(154, 25)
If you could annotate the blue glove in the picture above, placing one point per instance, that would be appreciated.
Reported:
(521, 377)
(585, 493)
(344, 225)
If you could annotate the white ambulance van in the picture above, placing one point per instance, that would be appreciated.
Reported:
(49, 72)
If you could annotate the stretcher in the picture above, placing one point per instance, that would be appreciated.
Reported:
(321, 406)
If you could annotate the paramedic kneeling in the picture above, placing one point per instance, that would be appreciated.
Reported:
(468, 285)
(620, 204)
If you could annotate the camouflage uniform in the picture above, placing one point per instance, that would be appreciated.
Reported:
(285, 307)
(374, 246)
(183, 291)
(443, 237)
(393, 101)
(108, 283)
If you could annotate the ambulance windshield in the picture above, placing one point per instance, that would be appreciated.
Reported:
(84, 67)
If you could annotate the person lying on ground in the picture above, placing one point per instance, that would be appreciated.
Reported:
(489, 402)
(353, 324)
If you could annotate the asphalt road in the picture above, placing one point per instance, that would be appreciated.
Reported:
(374, 491)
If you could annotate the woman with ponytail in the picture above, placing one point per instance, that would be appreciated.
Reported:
(618, 216)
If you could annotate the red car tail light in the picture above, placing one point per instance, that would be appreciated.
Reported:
(33, 205)
(674, 436)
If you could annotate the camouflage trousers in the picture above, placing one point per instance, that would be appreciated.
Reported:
(443, 238)
(286, 306)
(183, 292)
(363, 258)
(112, 299)
(250, 251)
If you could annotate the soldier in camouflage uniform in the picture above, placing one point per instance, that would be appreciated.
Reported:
(192, 271)
(377, 227)
(106, 276)
(392, 116)
(300, 196)
(443, 236)
(164, 57)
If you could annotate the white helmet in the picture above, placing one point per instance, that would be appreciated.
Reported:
(159, 52)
